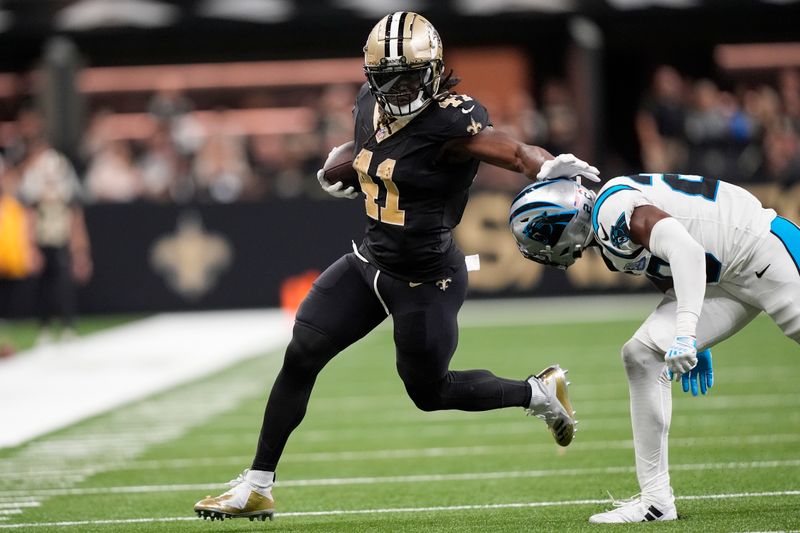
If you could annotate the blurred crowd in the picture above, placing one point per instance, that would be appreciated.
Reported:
(179, 152)
(748, 134)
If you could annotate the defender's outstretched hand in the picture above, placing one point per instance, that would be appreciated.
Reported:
(337, 189)
(567, 166)
(703, 373)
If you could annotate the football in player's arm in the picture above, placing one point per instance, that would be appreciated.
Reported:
(721, 259)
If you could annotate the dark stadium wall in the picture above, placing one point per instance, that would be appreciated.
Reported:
(166, 257)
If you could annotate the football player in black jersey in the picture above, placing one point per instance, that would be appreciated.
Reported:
(417, 149)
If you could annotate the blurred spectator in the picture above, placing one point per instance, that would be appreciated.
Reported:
(523, 120)
(111, 176)
(165, 171)
(707, 130)
(660, 123)
(19, 257)
(336, 115)
(220, 167)
(265, 153)
(171, 108)
(51, 189)
(782, 154)
(789, 88)
(301, 159)
(562, 119)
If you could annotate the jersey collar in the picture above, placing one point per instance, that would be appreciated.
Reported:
(383, 132)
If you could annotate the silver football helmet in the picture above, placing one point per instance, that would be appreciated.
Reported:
(552, 221)
(403, 62)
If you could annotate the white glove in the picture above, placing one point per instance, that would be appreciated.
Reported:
(681, 356)
(337, 189)
(567, 166)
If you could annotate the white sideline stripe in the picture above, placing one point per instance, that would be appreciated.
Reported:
(117, 366)
(374, 480)
(403, 453)
(432, 509)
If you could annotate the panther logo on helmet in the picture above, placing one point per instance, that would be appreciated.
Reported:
(547, 229)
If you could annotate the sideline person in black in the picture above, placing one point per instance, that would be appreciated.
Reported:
(417, 149)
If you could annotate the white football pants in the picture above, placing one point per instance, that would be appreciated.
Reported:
(727, 308)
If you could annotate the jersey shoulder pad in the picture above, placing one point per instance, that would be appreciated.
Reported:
(611, 216)
(364, 100)
(459, 115)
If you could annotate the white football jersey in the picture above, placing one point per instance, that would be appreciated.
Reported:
(725, 219)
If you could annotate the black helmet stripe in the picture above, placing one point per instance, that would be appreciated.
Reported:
(401, 26)
(387, 36)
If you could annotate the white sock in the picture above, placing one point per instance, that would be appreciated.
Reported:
(260, 478)
(538, 397)
(651, 411)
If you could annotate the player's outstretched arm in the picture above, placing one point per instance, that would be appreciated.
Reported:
(667, 239)
(500, 149)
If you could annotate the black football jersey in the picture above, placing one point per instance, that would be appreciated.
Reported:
(414, 198)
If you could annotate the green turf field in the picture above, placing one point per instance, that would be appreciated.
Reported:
(366, 460)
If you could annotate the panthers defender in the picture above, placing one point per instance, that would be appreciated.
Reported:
(720, 257)
(417, 148)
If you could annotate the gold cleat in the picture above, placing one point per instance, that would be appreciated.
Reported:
(243, 500)
(557, 412)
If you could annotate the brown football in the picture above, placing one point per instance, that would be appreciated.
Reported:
(339, 166)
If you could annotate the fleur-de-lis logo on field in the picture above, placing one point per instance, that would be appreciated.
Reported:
(444, 283)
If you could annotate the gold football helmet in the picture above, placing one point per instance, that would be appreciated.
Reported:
(403, 62)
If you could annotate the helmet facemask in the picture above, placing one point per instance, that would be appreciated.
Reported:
(405, 90)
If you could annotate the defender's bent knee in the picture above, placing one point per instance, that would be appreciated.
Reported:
(638, 358)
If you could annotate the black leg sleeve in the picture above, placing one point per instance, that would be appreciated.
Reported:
(306, 355)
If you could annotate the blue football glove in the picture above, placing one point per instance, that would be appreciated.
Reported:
(702, 372)
(681, 356)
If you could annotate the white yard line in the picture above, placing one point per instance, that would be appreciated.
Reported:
(378, 480)
(404, 510)
(719, 442)
(54, 386)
